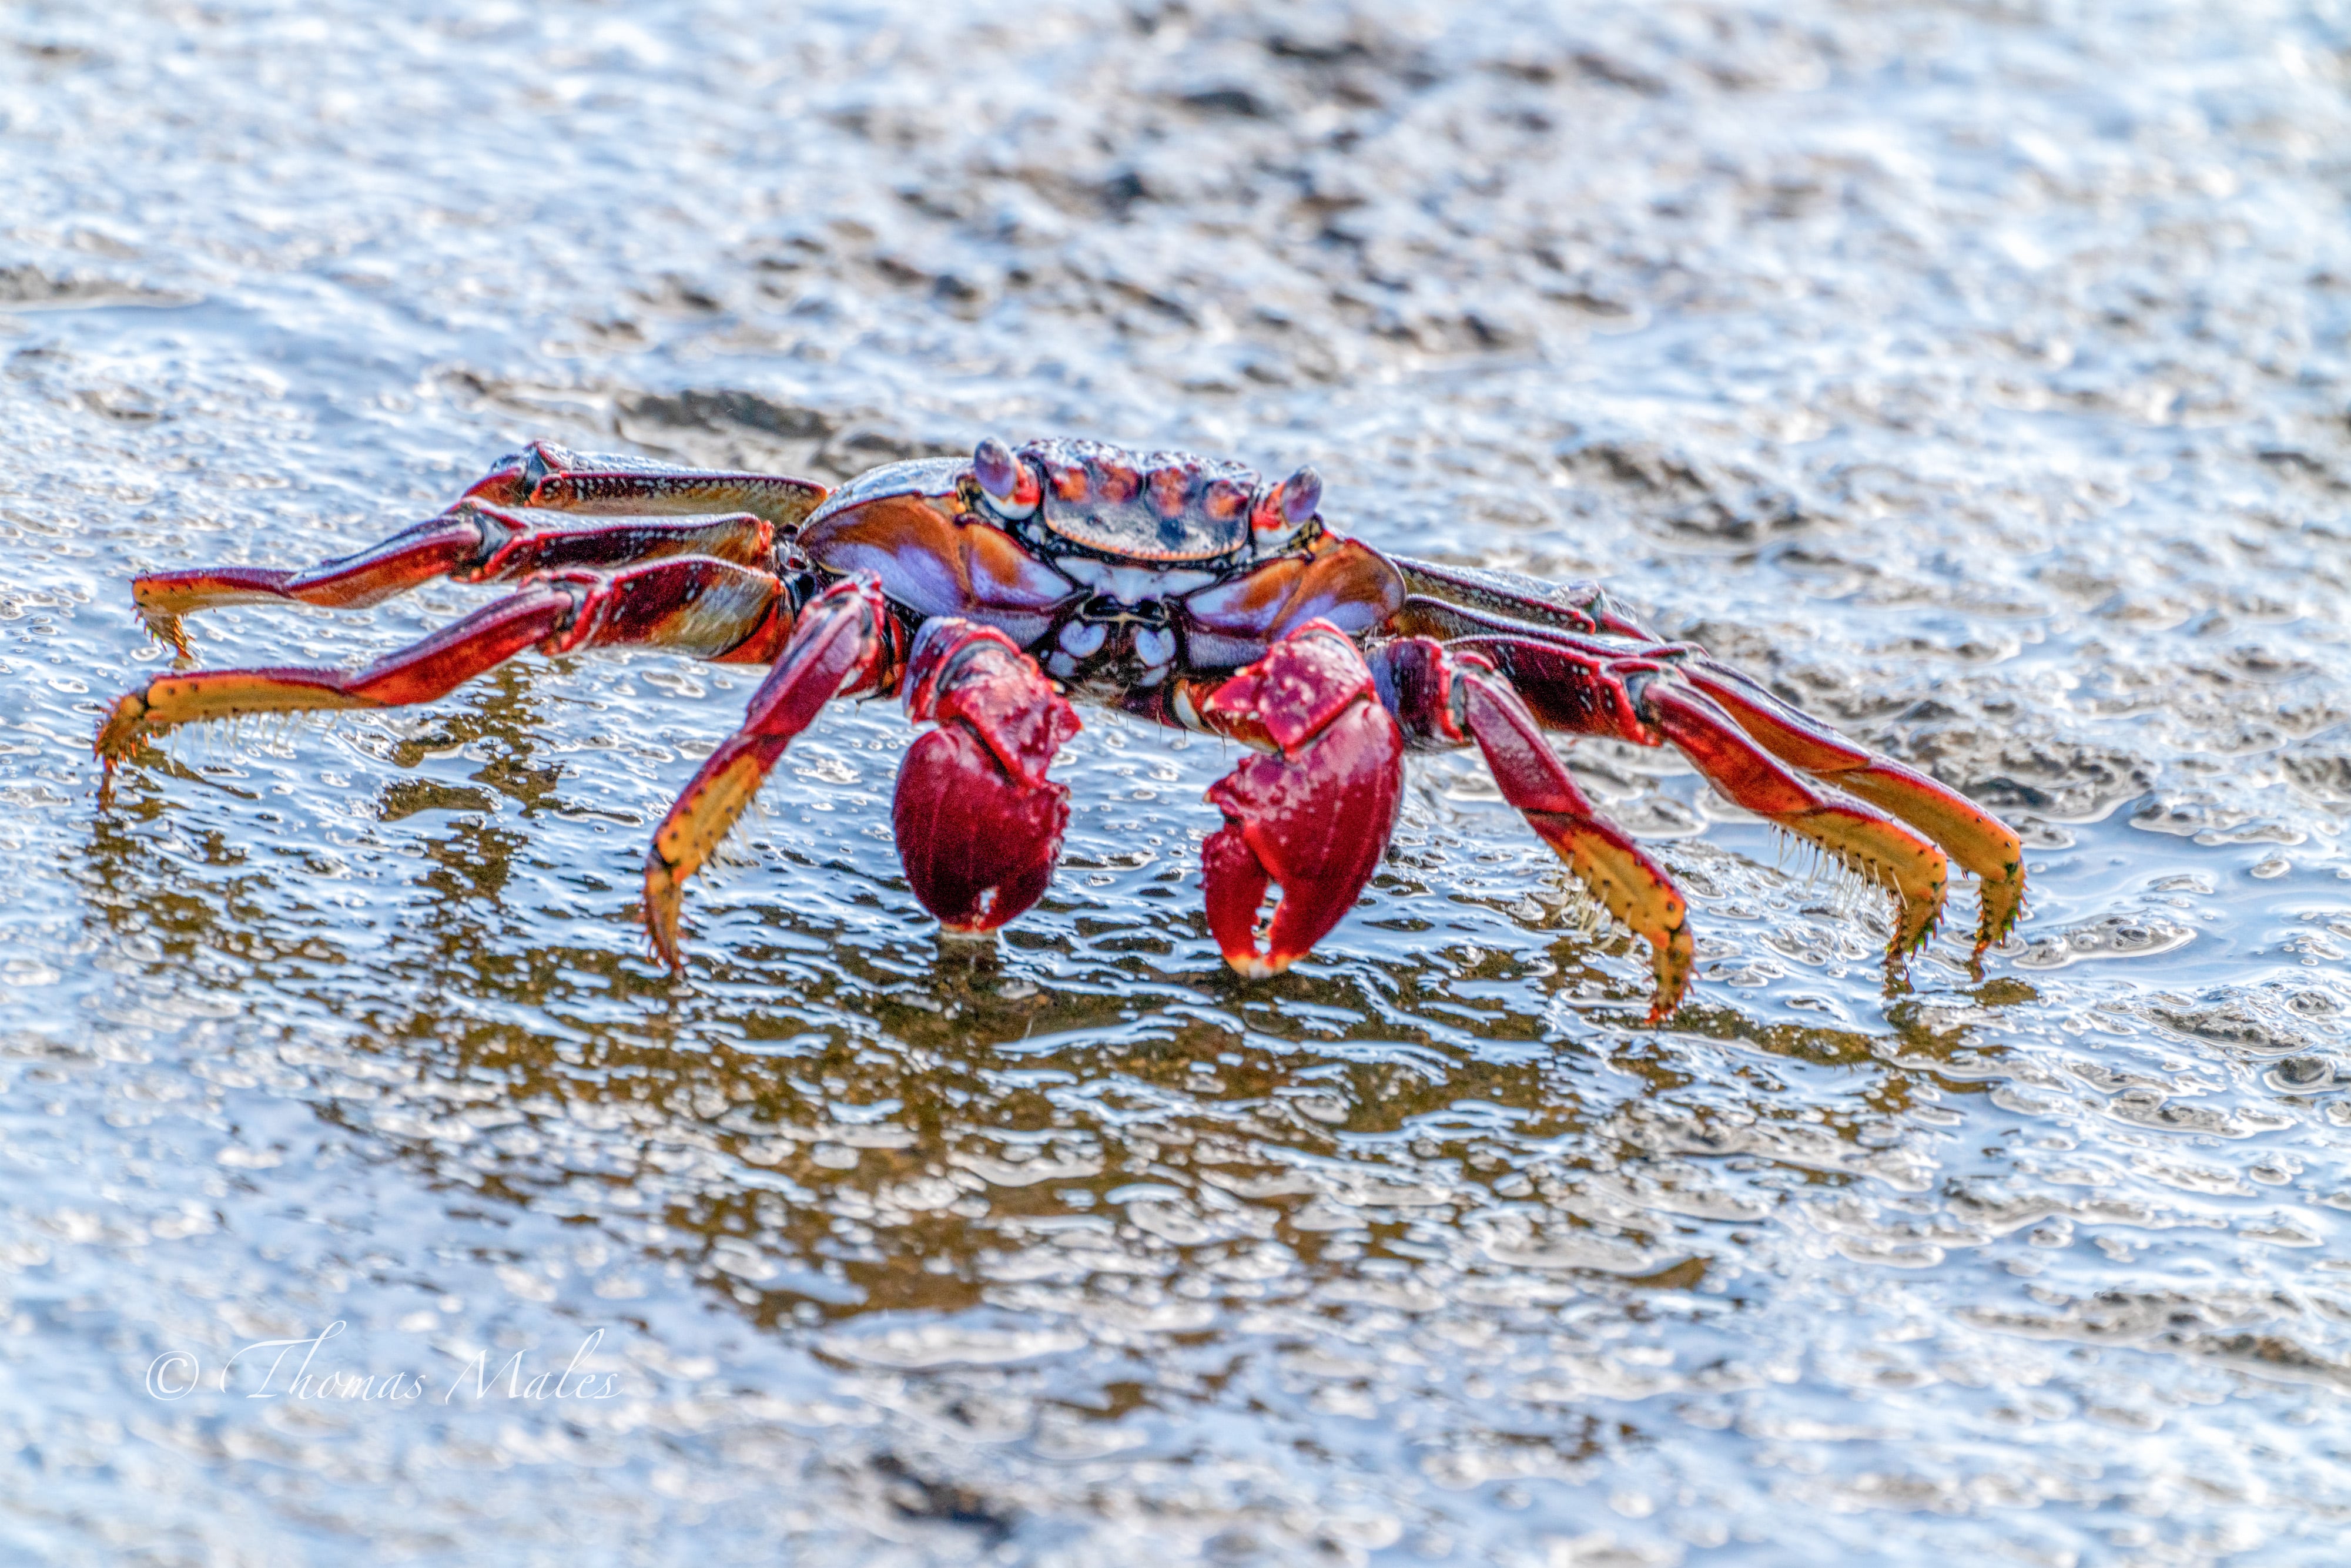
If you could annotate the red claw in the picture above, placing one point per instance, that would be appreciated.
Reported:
(979, 824)
(1315, 812)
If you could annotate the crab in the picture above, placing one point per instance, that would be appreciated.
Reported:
(988, 593)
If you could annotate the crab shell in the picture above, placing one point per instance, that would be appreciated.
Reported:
(1114, 571)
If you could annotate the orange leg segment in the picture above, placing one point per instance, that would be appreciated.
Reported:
(427, 670)
(1447, 697)
(547, 475)
(1603, 855)
(1859, 837)
(696, 605)
(844, 641)
(472, 542)
(430, 549)
(1747, 742)
(1979, 840)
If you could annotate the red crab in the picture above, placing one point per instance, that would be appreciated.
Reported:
(1168, 585)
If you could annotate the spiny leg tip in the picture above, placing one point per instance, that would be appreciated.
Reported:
(666, 954)
(169, 629)
(662, 913)
(1668, 998)
(121, 731)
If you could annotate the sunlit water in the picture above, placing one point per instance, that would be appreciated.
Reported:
(1976, 374)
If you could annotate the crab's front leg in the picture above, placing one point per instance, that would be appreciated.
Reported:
(499, 531)
(843, 642)
(1313, 813)
(1641, 694)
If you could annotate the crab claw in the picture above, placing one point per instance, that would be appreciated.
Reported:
(979, 824)
(1314, 814)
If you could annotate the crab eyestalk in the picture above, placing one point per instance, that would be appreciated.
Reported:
(1284, 511)
(1011, 489)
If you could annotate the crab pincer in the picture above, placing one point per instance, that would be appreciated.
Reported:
(979, 824)
(1314, 812)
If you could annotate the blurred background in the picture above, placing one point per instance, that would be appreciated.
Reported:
(1975, 373)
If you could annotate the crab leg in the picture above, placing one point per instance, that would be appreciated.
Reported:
(844, 641)
(710, 607)
(1979, 840)
(1314, 812)
(1512, 617)
(979, 824)
(547, 475)
(472, 542)
(431, 549)
(1859, 837)
(1448, 699)
(1449, 601)
(1637, 692)
(657, 512)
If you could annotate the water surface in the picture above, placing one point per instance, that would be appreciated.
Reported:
(1974, 374)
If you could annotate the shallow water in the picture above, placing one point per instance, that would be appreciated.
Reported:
(1975, 373)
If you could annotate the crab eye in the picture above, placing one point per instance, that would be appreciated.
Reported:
(1300, 494)
(1288, 506)
(991, 465)
(1004, 479)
